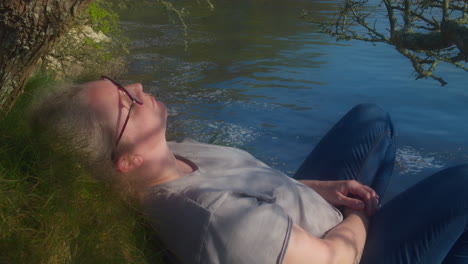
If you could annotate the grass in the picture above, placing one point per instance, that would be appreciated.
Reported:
(52, 210)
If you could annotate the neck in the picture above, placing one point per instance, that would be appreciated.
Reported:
(161, 166)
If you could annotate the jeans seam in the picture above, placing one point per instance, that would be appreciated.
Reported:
(372, 151)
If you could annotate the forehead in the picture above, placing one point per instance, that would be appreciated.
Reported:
(102, 95)
(99, 90)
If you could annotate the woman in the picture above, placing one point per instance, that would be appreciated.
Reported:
(212, 204)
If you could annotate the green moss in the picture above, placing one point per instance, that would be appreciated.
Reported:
(101, 17)
(94, 46)
(51, 208)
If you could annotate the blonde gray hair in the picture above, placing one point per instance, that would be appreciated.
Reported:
(65, 117)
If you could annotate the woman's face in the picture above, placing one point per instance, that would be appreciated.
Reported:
(146, 125)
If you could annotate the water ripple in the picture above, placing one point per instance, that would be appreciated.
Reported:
(412, 161)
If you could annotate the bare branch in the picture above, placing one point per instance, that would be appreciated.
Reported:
(363, 23)
(391, 16)
(415, 60)
(425, 27)
(419, 16)
(445, 9)
(462, 20)
(450, 7)
(448, 60)
(407, 14)
(465, 12)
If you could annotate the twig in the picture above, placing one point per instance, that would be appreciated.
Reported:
(415, 60)
(391, 17)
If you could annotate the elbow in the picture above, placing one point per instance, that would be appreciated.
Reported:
(337, 255)
(304, 248)
(332, 253)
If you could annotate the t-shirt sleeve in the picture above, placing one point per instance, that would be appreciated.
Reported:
(246, 228)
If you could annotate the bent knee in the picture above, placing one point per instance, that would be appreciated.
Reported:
(372, 115)
(368, 108)
(458, 171)
(452, 180)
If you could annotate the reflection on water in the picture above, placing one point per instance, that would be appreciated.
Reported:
(412, 161)
(256, 76)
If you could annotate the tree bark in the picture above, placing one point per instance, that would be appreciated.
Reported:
(451, 33)
(459, 35)
(420, 42)
(29, 30)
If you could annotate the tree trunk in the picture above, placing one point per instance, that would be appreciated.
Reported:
(28, 30)
(459, 35)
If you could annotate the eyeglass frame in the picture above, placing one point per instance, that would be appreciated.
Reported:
(134, 101)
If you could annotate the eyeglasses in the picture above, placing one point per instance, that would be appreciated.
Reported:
(131, 97)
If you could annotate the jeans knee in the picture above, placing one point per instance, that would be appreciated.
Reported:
(368, 109)
(458, 173)
(450, 183)
(372, 114)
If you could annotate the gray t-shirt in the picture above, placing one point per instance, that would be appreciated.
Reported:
(233, 208)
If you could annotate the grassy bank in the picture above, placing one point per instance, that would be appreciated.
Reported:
(52, 210)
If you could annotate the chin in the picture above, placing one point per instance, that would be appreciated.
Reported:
(163, 109)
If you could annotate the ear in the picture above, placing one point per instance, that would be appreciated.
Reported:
(128, 163)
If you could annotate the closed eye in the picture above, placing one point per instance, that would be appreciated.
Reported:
(125, 100)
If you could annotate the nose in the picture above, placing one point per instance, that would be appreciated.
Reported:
(135, 88)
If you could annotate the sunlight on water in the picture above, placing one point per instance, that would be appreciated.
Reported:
(221, 133)
(411, 161)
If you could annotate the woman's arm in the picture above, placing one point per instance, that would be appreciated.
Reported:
(350, 194)
(343, 244)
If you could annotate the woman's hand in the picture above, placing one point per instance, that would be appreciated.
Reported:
(351, 194)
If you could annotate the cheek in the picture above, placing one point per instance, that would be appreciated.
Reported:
(149, 125)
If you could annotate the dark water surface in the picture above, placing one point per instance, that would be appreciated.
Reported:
(257, 76)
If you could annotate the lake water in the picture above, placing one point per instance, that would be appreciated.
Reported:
(256, 76)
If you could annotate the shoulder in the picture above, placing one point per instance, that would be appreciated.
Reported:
(220, 226)
(179, 200)
(181, 219)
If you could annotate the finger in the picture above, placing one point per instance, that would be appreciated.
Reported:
(356, 187)
(351, 202)
(369, 207)
(371, 191)
(372, 206)
(361, 192)
(377, 205)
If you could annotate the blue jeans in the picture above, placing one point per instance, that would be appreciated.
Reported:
(424, 224)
